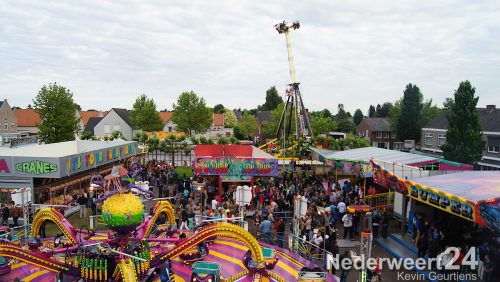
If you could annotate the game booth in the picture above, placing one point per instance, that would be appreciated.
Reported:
(233, 164)
(55, 172)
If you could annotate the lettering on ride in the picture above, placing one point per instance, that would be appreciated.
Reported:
(36, 167)
(4, 167)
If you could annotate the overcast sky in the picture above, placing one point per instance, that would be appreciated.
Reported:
(352, 52)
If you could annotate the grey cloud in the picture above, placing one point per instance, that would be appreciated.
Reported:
(352, 52)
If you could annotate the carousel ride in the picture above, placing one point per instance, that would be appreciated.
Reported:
(137, 248)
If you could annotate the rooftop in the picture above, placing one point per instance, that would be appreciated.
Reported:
(86, 115)
(377, 124)
(218, 119)
(91, 123)
(166, 116)
(488, 119)
(367, 153)
(61, 149)
(123, 113)
(27, 117)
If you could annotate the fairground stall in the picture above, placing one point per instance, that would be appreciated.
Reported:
(55, 172)
(472, 196)
(354, 165)
(233, 163)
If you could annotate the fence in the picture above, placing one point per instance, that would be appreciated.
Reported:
(380, 200)
(178, 158)
(308, 250)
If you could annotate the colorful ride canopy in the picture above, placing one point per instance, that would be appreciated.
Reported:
(471, 195)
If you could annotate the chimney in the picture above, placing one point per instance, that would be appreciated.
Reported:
(490, 108)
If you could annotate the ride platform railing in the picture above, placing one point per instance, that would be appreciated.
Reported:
(380, 200)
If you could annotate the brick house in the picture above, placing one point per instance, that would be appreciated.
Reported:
(378, 132)
(434, 136)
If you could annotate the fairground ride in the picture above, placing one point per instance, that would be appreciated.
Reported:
(294, 121)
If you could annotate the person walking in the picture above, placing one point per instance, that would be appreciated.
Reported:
(376, 223)
(347, 220)
(489, 267)
(345, 271)
(422, 245)
(82, 202)
(16, 212)
(385, 223)
(341, 208)
(279, 227)
(5, 214)
(265, 228)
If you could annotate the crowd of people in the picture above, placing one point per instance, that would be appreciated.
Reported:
(11, 210)
(432, 242)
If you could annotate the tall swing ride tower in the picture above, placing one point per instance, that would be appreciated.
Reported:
(294, 106)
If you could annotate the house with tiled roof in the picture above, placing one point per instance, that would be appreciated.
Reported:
(86, 115)
(378, 131)
(217, 121)
(434, 136)
(28, 120)
(8, 125)
(168, 124)
(115, 120)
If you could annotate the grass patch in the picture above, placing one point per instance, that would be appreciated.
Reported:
(181, 170)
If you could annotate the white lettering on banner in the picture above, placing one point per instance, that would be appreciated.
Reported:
(442, 262)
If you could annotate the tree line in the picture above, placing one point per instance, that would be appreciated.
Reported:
(191, 115)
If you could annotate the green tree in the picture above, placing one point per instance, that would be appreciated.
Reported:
(153, 145)
(273, 99)
(271, 127)
(246, 126)
(410, 119)
(344, 122)
(371, 111)
(358, 116)
(191, 113)
(325, 113)
(321, 124)
(117, 134)
(377, 110)
(429, 112)
(464, 142)
(448, 103)
(144, 115)
(230, 119)
(86, 135)
(394, 114)
(384, 110)
(218, 109)
(222, 141)
(77, 107)
(56, 108)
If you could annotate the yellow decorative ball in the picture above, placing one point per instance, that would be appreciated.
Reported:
(123, 210)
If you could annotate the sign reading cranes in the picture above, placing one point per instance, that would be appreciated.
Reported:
(58, 167)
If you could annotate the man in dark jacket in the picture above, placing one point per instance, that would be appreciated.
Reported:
(5, 214)
(279, 226)
(82, 201)
(385, 223)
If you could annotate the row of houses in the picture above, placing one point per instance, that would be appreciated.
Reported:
(379, 133)
(19, 123)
